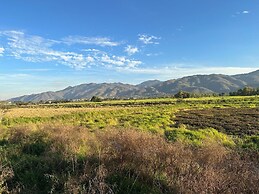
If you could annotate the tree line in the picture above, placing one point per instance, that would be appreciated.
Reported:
(246, 91)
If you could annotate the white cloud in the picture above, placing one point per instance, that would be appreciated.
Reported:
(2, 51)
(131, 50)
(241, 12)
(245, 12)
(38, 49)
(91, 50)
(100, 41)
(121, 62)
(147, 39)
(153, 54)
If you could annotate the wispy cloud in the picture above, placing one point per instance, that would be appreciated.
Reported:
(2, 51)
(180, 28)
(121, 62)
(148, 39)
(37, 49)
(100, 41)
(91, 50)
(241, 12)
(35, 70)
(33, 48)
(178, 71)
(131, 50)
(153, 54)
(12, 76)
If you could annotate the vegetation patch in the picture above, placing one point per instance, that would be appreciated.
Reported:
(250, 142)
(198, 137)
(120, 161)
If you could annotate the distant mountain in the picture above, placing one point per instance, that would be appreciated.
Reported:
(38, 97)
(149, 83)
(251, 79)
(202, 84)
(214, 83)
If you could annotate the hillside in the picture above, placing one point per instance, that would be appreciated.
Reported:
(251, 79)
(214, 83)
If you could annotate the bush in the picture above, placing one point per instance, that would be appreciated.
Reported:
(96, 99)
(6, 174)
(175, 167)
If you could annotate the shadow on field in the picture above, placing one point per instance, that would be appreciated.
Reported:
(62, 159)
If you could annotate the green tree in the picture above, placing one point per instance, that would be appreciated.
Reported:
(182, 94)
(96, 99)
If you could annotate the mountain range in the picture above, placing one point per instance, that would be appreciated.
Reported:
(213, 83)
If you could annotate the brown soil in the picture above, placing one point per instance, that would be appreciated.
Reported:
(233, 121)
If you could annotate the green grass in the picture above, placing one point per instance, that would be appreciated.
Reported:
(155, 114)
(250, 142)
(198, 137)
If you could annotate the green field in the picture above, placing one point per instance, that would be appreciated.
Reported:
(166, 145)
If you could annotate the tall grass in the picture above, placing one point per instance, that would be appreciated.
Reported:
(62, 159)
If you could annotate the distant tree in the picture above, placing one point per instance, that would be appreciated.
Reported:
(96, 99)
(222, 94)
(246, 91)
(182, 94)
(20, 103)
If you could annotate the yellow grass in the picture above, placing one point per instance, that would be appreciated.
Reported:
(49, 112)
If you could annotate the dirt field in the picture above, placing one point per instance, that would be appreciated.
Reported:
(232, 121)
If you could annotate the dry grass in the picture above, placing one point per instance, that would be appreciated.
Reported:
(5, 174)
(51, 111)
(126, 161)
(176, 167)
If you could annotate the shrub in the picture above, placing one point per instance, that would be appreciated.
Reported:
(96, 99)
(6, 173)
(175, 167)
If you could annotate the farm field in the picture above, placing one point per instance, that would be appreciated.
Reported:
(167, 145)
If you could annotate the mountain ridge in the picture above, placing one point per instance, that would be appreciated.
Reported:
(212, 83)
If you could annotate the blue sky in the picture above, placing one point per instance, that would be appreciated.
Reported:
(51, 44)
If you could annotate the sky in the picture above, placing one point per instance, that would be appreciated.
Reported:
(52, 44)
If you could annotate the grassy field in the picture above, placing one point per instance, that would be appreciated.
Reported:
(168, 145)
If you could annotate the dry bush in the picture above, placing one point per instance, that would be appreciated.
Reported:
(174, 167)
(66, 139)
(72, 143)
(6, 173)
(92, 181)
(18, 134)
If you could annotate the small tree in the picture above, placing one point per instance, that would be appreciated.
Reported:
(96, 99)
(182, 94)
